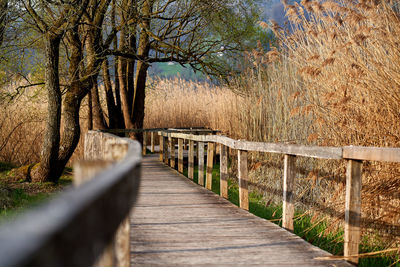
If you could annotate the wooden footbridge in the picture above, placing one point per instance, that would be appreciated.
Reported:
(132, 210)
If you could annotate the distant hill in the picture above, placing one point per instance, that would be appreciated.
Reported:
(171, 70)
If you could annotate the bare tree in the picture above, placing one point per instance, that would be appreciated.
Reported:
(52, 21)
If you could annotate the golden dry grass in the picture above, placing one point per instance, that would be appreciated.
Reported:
(334, 81)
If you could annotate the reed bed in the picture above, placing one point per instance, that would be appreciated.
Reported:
(332, 80)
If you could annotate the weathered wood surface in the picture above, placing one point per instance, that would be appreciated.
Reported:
(200, 147)
(223, 171)
(210, 162)
(289, 175)
(152, 141)
(243, 180)
(176, 222)
(290, 149)
(144, 147)
(172, 153)
(180, 155)
(191, 160)
(372, 153)
(352, 231)
(75, 227)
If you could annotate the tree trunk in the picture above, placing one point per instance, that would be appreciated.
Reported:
(123, 84)
(90, 112)
(72, 102)
(47, 169)
(111, 108)
(141, 72)
(98, 117)
(71, 129)
(118, 106)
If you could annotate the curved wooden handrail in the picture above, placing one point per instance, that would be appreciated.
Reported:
(74, 227)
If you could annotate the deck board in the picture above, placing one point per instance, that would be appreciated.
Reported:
(176, 222)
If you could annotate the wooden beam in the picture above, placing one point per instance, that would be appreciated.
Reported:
(290, 149)
(180, 155)
(165, 149)
(161, 148)
(200, 172)
(172, 152)
(191, 160)
(372, 153)
(352, 231)
(243, 180)
(210, 163)
(223, 157)
(289, 175)
(152, 141)
(144, 147)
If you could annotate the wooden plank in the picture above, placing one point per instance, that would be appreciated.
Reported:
(144, 147)
(353, 210)
(177, 223)
(223, 171)
(243, 180)
(180, 155)
(191, 160)
(161, 148)
(200, 172)
(290, 149)
(172, 152)
(289, 175)
(152, 141)
(210, 164)
(372, 153)
(165, 149)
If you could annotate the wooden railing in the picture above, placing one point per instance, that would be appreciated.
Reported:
(353, 155)
(85, 225)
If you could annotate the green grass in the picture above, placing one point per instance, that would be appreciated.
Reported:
(17, 196)
(20, 201)
(304, 226)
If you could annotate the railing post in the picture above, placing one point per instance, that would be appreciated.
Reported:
(118, 252)
(83, 172)
(161, 148)
(172, 152)
(223, 158)
(144, 148)
(152, 141)
(121, 243)
(352, 231)
(191, 160)
(289, 175)
(180, 155)
(200, 148)
(165, 149)
(210, 162)
(243, 180)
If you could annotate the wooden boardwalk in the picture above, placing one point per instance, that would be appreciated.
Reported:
(176, 222)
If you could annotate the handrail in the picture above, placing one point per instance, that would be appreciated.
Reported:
(75, 227)
(291, 149)
(354, 155)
